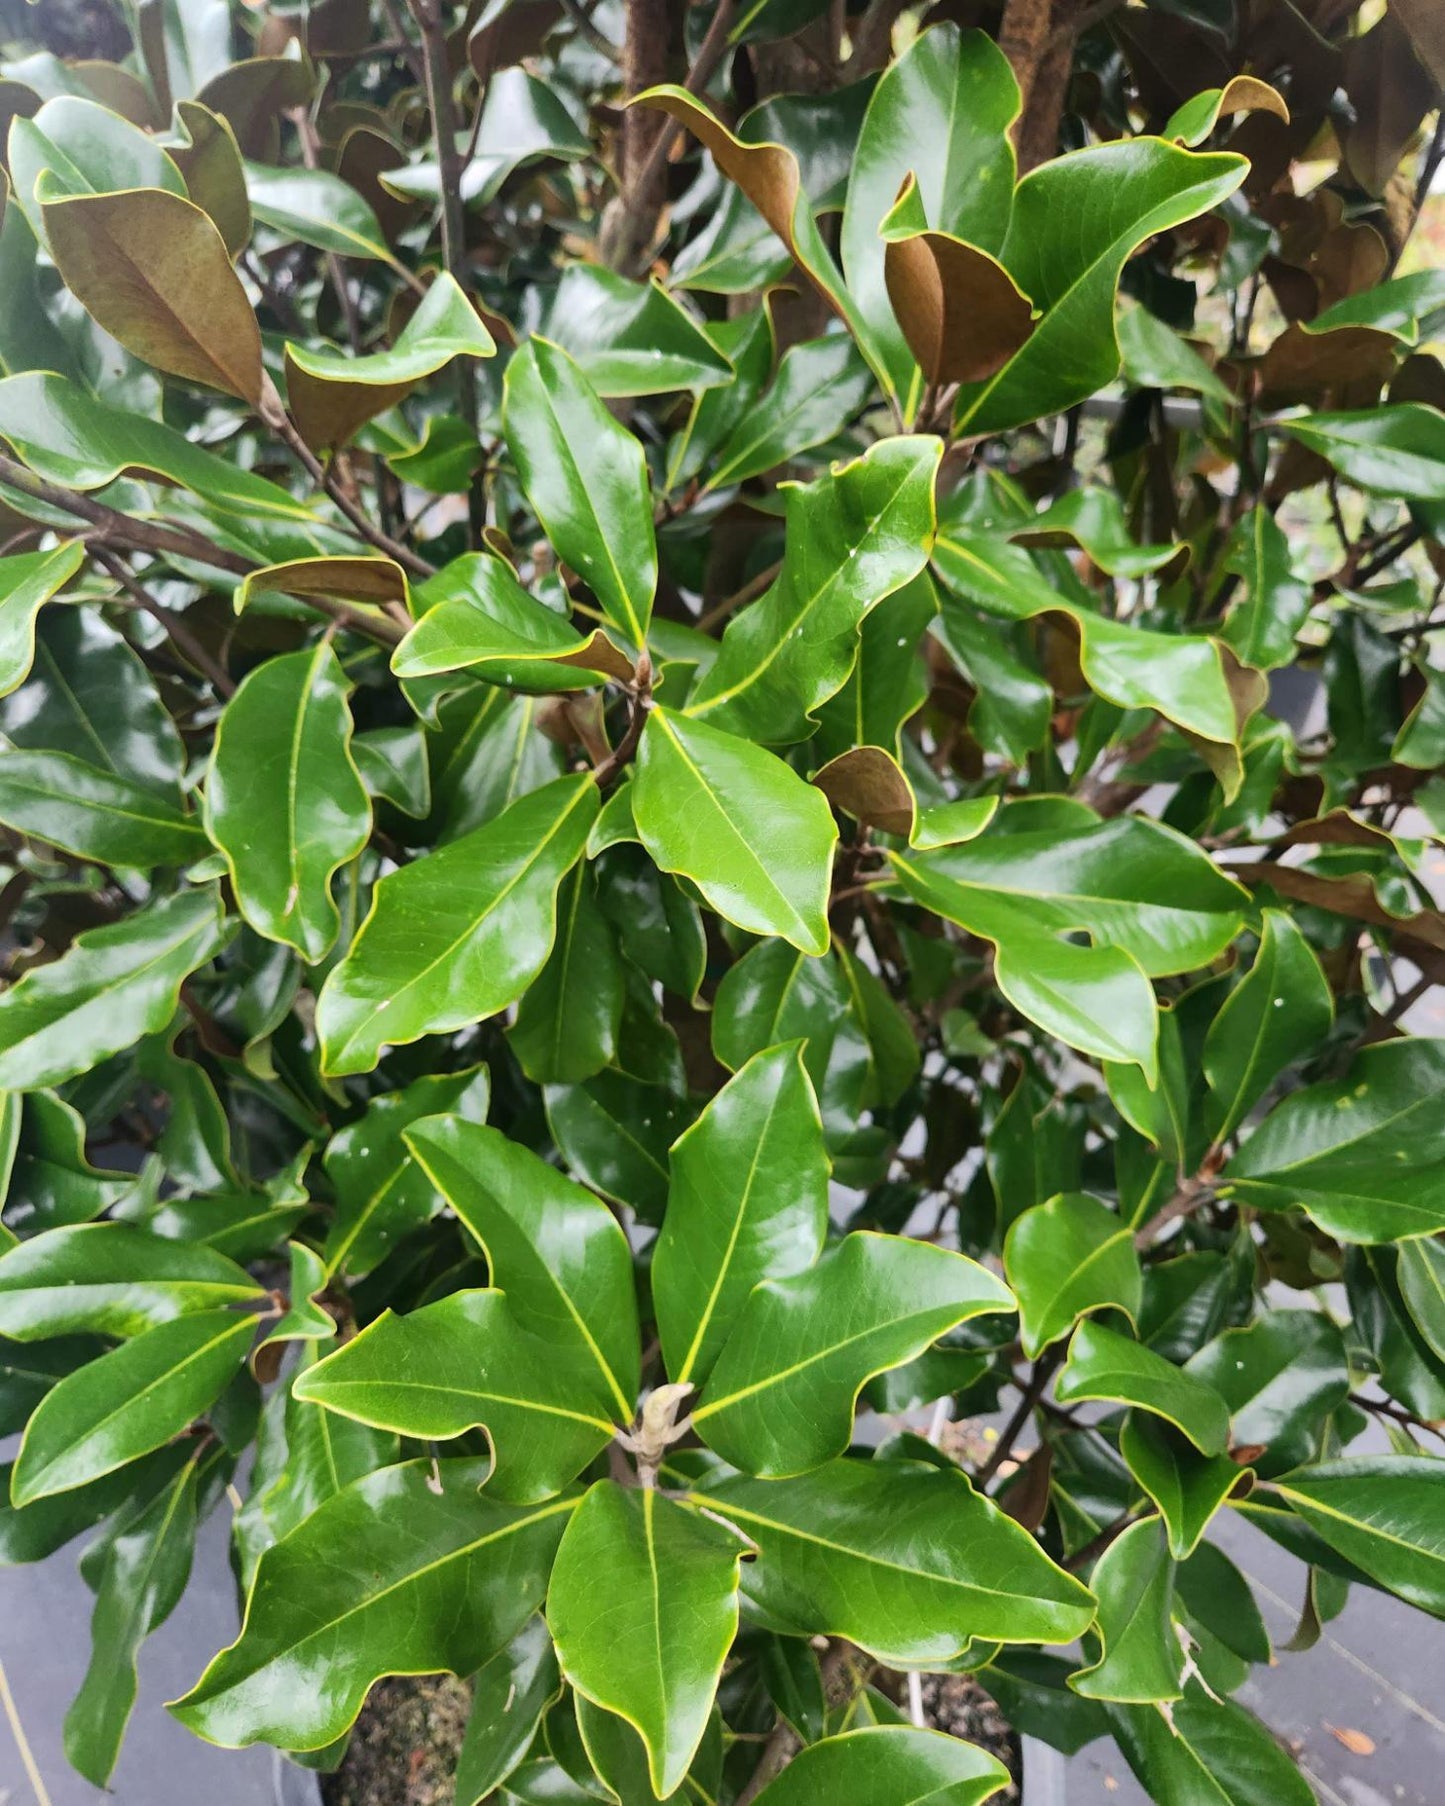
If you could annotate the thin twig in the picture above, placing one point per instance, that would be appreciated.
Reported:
(335, 268)
(1185, 1201)
(582, 19)
(641, 702)
(275, 416)
(1097, 1545)
(117, 529)
(749, 592)
(1044, 1370)
(175, 629)
(626, 233)
(451, 164)
(27, 1758)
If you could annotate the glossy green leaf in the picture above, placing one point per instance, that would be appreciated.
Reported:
(73, 438)
(1383, 1513)
(1263, 623)
(284, 800)
(436, 1579)
(630, 338)
(317, 208)
(90, 697)
(659, 925)
(556, 1250)
(1140, 1660)
(510, 1692)
(654, 1654)
(522, 120)
(52, 797)
(143, 1573)
(1199, 118)
(1421, 1276)
(333, 395)
(115, 984)
(51, 1183)
(1187, 1487)
(304, 1319)
(780, 1398)
(586, 478)
(27, 582)
(940, 113)
(614, 1132)
(128, 1402)
(1156, 357)
(32, 1532)
(475, 616)
(905, 1560)
(1208, 1750)
(1218, 1595)
(854, 536)
(1190, 679)
(393, 766)
(1105, 1365)
(748, 1201)
(773, 994)
(112, 1278)
(819, 387)
(381, 1192)
(1066, 1258)
(755, 839)
(888, 1765)
(1281, 1376)
(465, 1363)
(304, 1456)
(1281, 1010)
(1093, 520)
(747, 343)
(1123, 882)
(1410, 306)
(1075, 222)
(568, 1022)
(458, 935)
(794, 1680)
(88, 149)
(1364, 1155)
(1394, 451)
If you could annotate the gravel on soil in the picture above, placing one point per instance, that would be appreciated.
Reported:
(404, 1750)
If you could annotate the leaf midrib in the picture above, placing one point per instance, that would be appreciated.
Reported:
(524, 871)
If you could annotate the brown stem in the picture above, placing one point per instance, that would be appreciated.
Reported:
(612, 766)
(1185, 1201)
(408, 49)
(648, 137)
(274, 414)
(749, 592)
(1044, 1369)
(451, 162)
(175, 629)
(841, 1679)
(1097, 1545)
(117, 529)
(335, 268)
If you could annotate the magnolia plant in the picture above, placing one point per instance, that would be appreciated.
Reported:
(697, 793)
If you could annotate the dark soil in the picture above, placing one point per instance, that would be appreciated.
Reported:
(404, 1751)
(405, 1748)
(957, 1704)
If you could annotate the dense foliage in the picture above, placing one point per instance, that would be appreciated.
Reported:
(684, 785)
